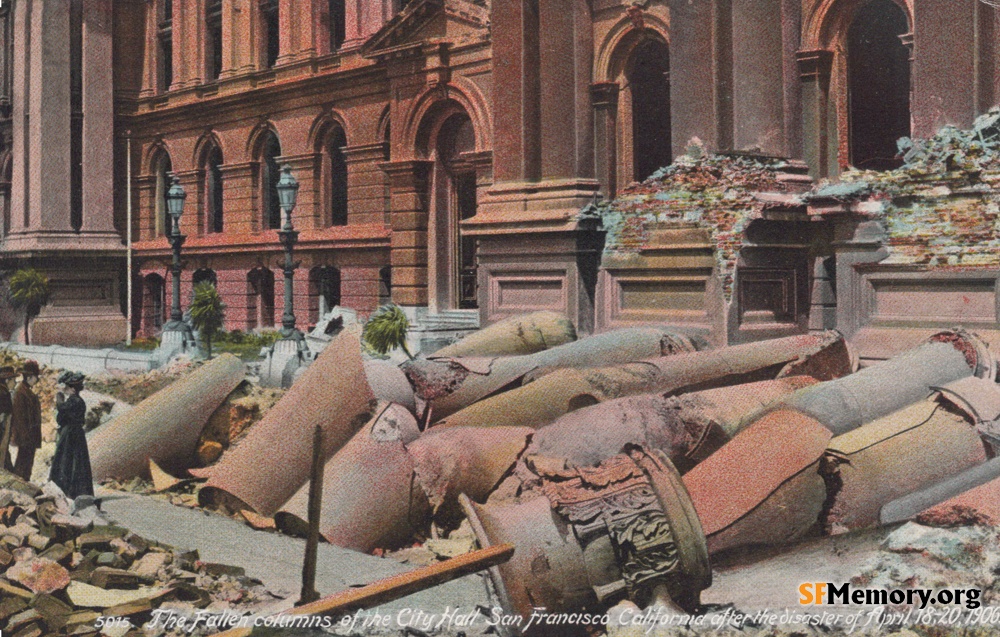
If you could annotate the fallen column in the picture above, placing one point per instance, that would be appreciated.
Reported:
(879, 390)
(595, 536)
(166, 426)
(686, 428)
(369, 497)
(906, 451)
(541, 402)
(517, 335)
(450, 384)
(272, 462)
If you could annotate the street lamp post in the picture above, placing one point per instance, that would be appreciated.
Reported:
(288, 189)
(175, 206)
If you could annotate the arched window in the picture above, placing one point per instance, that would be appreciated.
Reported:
(213, 190)
(213, 43)
(260, 299)
(338, 24)
(455, 196)
(335, 168)
(649, 89)
(165, 46)
(324, 291)
(204, 275)
(879, 85)
(270, 208)
(161, 216)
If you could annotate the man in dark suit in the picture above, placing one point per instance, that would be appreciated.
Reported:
(26, 421)
(7, 376)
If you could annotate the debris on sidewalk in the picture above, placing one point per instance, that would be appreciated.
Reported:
(63, 566)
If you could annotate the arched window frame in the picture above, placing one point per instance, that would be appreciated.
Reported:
(212, 204)
(269, 172)
(162, 171)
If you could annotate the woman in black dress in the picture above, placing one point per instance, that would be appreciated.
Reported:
(71, 462)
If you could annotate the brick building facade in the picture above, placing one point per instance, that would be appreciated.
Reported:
(443, 147)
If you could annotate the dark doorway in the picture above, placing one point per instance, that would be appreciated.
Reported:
(324, 291)
(879, 85)
(649, 81)
(260, 299)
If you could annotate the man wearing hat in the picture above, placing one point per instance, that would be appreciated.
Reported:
(26, 421)
(7, 376)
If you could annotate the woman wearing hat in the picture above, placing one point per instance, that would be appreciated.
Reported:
(71, 462)
(26, 421)
(7, 376)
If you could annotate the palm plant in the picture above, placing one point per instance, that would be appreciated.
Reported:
(386, 330)
(29, 289)
(207, 312)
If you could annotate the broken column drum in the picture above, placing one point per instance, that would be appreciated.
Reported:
(879, 390)
(597, 535)
(524, 334)
(165, 427)
(273, 461)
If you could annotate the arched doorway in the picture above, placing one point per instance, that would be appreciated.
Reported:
(455, 199)
(648, 75)
(878, 85)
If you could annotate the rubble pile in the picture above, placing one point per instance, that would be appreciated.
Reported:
(134, 388)
(62, 566)
(941, 208)
(717, 192)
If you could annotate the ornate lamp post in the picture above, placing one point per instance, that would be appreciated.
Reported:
(288, 189)
(175, 206)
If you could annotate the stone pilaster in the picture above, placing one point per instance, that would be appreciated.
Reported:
(367, 184)
(239, 205)
(819, 122)
(408, 184)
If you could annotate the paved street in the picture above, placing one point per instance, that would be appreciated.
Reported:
(276, 559)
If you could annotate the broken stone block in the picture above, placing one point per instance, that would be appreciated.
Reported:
(10, 590)
(5, 558)
(60, 553)
(54, 611)
(23, 619)
(216, 570)
(39, 575)
(99, 538)
(83, 595)
(110, 560)
(38, 542)
(106, 577)
(11, 606)
(149, 565)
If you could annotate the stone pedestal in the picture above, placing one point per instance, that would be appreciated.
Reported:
(284, 361)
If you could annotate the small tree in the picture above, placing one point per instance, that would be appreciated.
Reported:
(207, 312)
(29, 289)
(386, 330)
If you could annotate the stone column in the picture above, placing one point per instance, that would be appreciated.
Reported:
(516, 118)
(944, 66)
(366, 184)
(819, 123)
(98, 118)
(605, 99)
(150, 67)
(408, 184)
(304, 29)
(241, 34)
(758, 101)
(189, 37)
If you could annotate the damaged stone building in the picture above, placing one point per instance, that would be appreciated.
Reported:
(446, 148)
